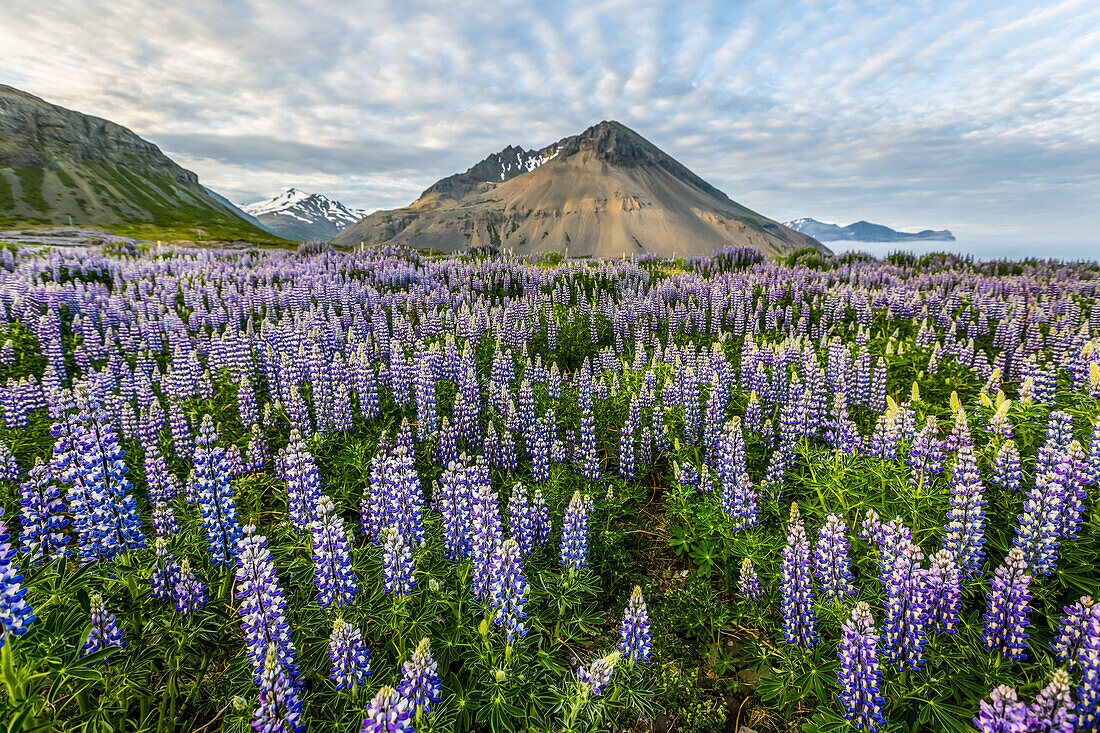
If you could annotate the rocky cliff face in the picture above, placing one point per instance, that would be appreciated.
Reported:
(59, 166)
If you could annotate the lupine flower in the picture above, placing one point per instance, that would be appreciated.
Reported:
(263, 605)
(906, 610)
(1006, 467)
(190, 593)
(739, 498)
(303, 486)
(634, 633)
(1038, 531)
(520, 520)
(105, 632)
(799, 617)
(831, 564)
(1006, 617)
(15, 613)
(43, 517)
(925, 454)
(748, 583)
(1078, 630)
(966, 517)
(1052, 711)
(165, 570)
(397, 563)
(860, 677)
(420, 683)
(508, 592)
(540, 514)
(597, 675)
(388, 712)
(1087, 711)
(574, 533)
(944, 593)
(215, 496)
(484, 536)
(1002, 713)
(349, 654)
(280, 710)
(332, 571)
(453, 502)
(9, 469)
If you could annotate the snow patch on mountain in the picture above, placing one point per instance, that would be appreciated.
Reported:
(304, 216)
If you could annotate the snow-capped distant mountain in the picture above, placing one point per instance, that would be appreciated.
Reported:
(306, 217)
(863, 231)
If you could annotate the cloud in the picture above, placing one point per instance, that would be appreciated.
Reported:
(978, 116)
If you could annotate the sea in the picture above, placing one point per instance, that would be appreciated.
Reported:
(979, 249)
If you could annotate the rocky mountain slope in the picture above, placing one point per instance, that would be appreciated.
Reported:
(305, 217)
(58, 166)
(606, 192)
(863, 231)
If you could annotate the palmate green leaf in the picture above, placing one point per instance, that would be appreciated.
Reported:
(826, 721)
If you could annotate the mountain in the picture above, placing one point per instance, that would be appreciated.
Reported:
(864, 231)
(305, 217)
(607, 192)
(59, 166)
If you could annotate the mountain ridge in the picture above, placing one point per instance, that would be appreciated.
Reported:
(864, 231)
(302, 216)
(606, 191)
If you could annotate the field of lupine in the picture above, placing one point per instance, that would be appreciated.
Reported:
(383, 491)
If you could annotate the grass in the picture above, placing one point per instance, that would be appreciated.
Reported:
(30, 180)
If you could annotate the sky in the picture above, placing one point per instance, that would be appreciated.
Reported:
(979, 117)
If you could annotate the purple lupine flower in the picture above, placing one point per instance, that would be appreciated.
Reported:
(397, 563)
(1006, 619)
(539, 448)
(349, 654)
(628, 438)
(739, 498)
(1087, 711)
(388, 712)
(587, 460)
(453, 502)
(859, 676)
(165, 570)
(944, 593)
(104, 633)
(280, 709)
(1059, 429)
(905, 623)
(574, 533)
(597, 675)
(965, 535)
(797, 587)
(1094, 453)
(520, 520)
(508, 591)
(748, 583)
(1076, 473)
(214, 495)
(43, 517)
(1006, 467)
(9, 469)
(420, 683)
(332, 570)
(926, 454)
(483, 532)
(540, 519)
(1052, 711)
(257, 456)
(303, 486)
(15, 613)
(1003, 713)
(189, 592)
(831, 564)
(263, 605)
(1037, 534)
(1078, 630)
(634, 634)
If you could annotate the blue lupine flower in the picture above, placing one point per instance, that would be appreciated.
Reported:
(1037, 534)
(15, 613)
(349, 654)
(634, 633)
(214, 495)
(484, 534)
(1078, 630)
(397, 563)
(540, 519)
(189, 592)
(1052, 711)
(831, 564)
(860, 677)
(574, 533)
(9, 469)
(1087, 711)
(420, 683)
(739, 498)
(105, 632)
(303, 485)
(1003, 713)
(165, 570)
(388, 712)
(799, 617)
(453, 502)
(925, 454)
(906, 610)
(263, 605)
(1006, 619)
(597, 675)
(944, 593)
(280, 709)
(520, 520)
(508, 592)
(332, 570)
(44, 521)
(748, 583)
(1006, 467)
(966, 517)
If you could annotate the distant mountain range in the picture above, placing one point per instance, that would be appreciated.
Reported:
(606, 192)
(305, 217)
(58, 166)
(864, 231)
